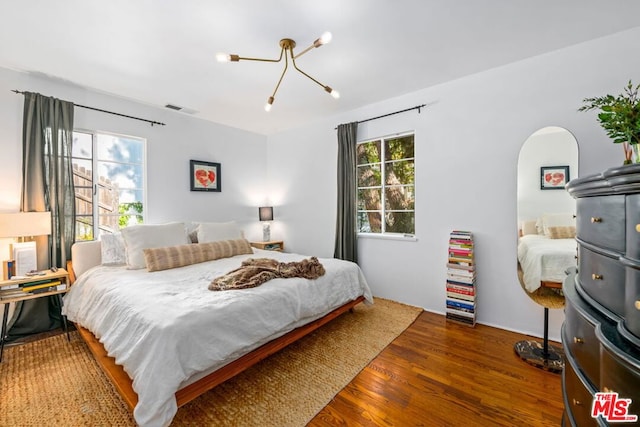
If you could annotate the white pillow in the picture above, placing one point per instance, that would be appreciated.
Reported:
(112, 249)
(557, 220)
(215, 231)
(147, 236)
(528, 227)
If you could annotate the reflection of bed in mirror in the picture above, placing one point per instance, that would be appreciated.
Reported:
(546, 249)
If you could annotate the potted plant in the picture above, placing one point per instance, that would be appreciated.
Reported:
(619, 116)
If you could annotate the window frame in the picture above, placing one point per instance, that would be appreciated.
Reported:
(383, 234)
(96, 229)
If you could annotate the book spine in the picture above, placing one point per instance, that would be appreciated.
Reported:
(30, 287)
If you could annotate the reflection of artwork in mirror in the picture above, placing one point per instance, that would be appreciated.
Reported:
(554, 177)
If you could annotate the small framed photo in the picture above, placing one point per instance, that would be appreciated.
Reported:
(205, 176)
(554, 177)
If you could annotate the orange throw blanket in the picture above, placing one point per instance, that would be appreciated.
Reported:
(256, 271)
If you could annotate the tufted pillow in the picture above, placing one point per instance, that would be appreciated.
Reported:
(112, 249)
(561, 232)
(178, 256)
(145, 236)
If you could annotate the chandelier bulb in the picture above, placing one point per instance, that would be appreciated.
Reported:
(332, 92)
(267, 106)
(223, 57)
(324, 39)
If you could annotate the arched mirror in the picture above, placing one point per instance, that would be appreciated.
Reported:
(546, 230)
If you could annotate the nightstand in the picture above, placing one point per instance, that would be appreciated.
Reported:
(272, 245)
(48, 284)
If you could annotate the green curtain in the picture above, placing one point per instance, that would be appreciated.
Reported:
(346, 246)
(47, 185)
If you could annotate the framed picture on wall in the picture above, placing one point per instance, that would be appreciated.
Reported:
(554, 177)
(205, 176)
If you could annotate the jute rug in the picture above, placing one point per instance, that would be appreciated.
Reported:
(56, 382)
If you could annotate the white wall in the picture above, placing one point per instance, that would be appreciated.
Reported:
(467, 145)
(169, 148)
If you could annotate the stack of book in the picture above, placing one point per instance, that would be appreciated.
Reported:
(16, 290)
(461, 278)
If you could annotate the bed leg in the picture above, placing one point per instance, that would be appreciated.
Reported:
(351, 310)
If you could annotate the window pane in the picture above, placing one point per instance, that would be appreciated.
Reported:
(82, 174)
(399, 197)
(82, 145)
(399, 148)
(370, 199)
(394, 190)
(368, 152)
(120, 149)
(122, 175)
(84, 228)
(400, 222)
(369, 222)
(369, 176)
(400, 172)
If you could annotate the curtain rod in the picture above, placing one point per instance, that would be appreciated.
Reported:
(106, 111)
(417, 107)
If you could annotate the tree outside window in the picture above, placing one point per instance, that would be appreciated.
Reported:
(386, 185)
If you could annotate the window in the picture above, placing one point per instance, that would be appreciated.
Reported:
(391, 198)
(108, 175)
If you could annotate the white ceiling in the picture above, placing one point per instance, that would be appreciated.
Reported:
(161, 51)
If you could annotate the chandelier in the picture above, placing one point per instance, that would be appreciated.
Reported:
(286, 51)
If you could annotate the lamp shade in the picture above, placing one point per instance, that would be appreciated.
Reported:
(22, 224)
(265, 213)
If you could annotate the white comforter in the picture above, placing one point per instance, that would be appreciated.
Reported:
(166, 327)
(545, 259)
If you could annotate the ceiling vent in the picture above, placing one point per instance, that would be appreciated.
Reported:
(181, 109)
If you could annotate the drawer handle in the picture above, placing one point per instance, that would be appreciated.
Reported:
(577, 402)
(638, 228)
(595, 276)
(595, 219)
(637, 304)
(578, 340)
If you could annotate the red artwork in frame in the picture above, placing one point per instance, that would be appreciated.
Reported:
(554, 177)
(205, 176)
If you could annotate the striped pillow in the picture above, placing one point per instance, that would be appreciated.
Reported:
(566, 232)
(178, 256)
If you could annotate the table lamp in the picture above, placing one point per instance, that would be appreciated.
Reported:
(24, 225)
(265, 213)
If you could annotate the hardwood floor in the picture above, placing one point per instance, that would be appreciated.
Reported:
(439, 373)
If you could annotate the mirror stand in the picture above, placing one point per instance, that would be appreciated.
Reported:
(545, 356)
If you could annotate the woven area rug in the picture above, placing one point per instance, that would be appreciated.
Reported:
(56, 382)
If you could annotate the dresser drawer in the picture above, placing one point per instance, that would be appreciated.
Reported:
(601, 221)
(633, 226)
(632, 301)
(617, 375)
(580, 339)
(603, 279)
(578, 398)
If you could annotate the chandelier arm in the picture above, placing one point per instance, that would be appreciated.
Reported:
(307, 75)
(242, 58)
(303, 52)
(286, 65)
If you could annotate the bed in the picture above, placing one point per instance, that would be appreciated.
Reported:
(164, 338)
(545, 253)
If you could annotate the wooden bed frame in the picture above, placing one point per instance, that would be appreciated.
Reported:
(123, 382)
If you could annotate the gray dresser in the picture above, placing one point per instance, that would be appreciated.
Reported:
(601, 332)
